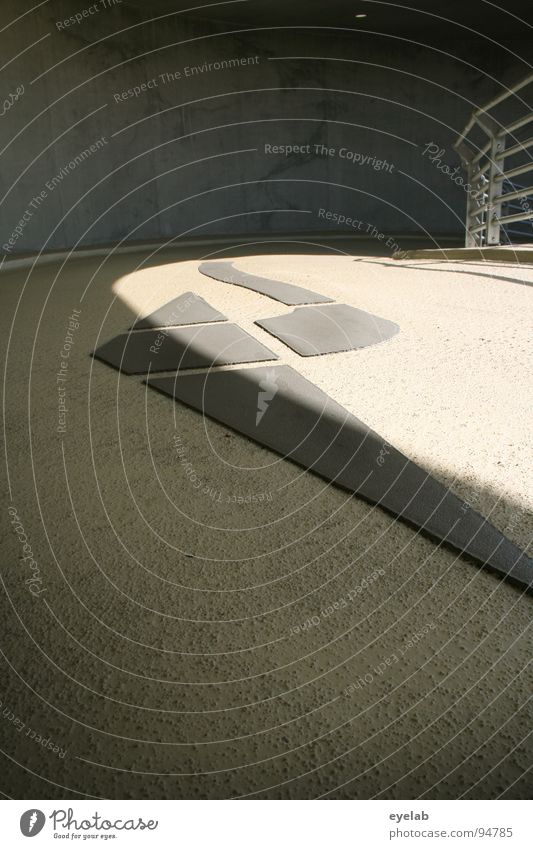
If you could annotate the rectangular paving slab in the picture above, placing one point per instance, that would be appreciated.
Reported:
(182, 348)
(188, 308)
(311, 331)
(278, 408)
(276, 289)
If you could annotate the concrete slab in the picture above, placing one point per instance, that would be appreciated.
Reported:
(311, 331)
(182, 348)
(286, 293)
(280, 409)
(188, 308)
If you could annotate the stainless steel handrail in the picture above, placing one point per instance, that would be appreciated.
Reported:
(486, 171)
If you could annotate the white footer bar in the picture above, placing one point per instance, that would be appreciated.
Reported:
(267, 824)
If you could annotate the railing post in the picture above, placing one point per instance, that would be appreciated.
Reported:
(494, 188)
(494, 210)
(471, 240)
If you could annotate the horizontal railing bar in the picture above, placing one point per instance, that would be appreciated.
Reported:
(491, 104)
(516, 194)
(521, 122)
(501, 97)
(514, 172)
(516, 148)
(502, 199)
(524, 216)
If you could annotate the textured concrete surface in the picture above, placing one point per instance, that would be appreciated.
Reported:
(199, 346)
(185, 309)
(226, 272)
(339, 327)
(207, 620)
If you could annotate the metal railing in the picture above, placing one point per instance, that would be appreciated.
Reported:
(485, 146)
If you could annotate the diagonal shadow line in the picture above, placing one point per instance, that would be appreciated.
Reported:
(449, 271)
(303, 424)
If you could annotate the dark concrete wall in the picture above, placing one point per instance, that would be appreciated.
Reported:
(190, 155)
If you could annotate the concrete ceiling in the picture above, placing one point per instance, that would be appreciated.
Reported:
(498, 20)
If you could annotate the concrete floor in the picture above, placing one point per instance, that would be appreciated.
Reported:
(211, 621)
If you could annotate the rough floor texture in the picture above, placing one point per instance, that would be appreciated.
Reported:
(207, 620)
